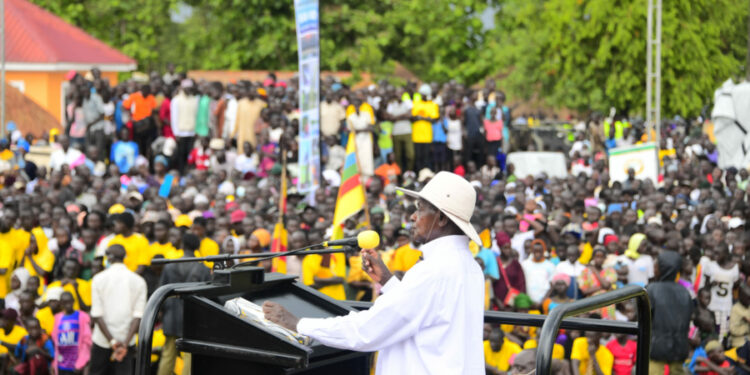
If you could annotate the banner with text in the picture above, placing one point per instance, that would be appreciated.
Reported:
(308, 49)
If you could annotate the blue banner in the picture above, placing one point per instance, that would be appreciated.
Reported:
(308, 49)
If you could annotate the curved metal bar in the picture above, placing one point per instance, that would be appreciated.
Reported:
(551, 326)
(146, 328)
(533, 320)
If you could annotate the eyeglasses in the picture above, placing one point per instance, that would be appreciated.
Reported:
(421, 206)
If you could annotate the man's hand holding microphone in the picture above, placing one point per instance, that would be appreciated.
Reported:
(372, 263)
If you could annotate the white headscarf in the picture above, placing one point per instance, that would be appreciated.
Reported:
(23, 276)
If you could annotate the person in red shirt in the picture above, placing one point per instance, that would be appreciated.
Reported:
(716, 363)
(200, 156)
(624, 351)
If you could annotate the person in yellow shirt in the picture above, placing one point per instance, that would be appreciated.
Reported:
(588, 356)
(10, 333)
(405, 256)
(424, 113)
(37, 258)
(323, 272)
(11, 245)
(79, 288)
(46, 315)
(24, 232)
(162, 245)
(134, 243)
(208, 246)
(498, 351)
(358, 279)
(7, 262)
(558, 351)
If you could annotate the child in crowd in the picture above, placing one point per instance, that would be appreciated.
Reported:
(589, 356)
(35, 351)
(558, 292)
(623, 350)
(71, 337)
(498, 352)
(715, 363)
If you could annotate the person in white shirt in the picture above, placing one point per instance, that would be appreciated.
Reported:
(538, 272)
(431, 321)
(118, 298)
(183, 111)
(332, 113)
(517, 238)
(399, 111)
(230, 114)
(455, 133)
(640, 263)
(246, 162)
(65, 155)
(722, 276)
(362, 124)
(569, 263)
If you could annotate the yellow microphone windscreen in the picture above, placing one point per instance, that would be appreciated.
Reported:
(368, 239)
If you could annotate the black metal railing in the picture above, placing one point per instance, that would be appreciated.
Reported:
(555, 320)
(561, 318)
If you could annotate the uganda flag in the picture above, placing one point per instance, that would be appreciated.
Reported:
(279, 237)
(351, 197)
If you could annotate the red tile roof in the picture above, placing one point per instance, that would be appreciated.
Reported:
(28, 116)
(34, 35)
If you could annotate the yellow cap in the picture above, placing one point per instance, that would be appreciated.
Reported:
(183, 221)
(52, 133)
(230, 198)
(116, 209)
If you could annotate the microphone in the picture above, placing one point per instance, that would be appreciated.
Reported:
(368, 239)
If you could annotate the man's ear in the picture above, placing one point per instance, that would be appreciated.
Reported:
(443, 220)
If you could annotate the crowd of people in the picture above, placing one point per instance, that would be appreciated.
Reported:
(175, 167)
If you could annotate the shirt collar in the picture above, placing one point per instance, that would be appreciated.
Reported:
(441, 244)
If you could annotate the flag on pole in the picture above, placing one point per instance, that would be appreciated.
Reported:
(351, 197)
(279, 238)
(278, 243)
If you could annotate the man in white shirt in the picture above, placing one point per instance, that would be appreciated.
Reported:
(517, 238)
(65, 155)
(332, 113)
(569, 263)
(431, 322)
(538, 272)
(183, 111)
(230, 114)
(247, 161)
(118, 298)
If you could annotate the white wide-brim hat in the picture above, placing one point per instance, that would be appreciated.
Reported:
(453, 196)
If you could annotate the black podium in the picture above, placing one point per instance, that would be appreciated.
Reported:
(221, 342)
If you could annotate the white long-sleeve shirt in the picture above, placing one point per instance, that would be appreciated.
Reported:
(428, 323)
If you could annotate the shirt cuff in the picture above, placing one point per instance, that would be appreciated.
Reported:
(304, 326)
(390, 284)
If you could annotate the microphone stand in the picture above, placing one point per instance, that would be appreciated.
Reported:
(219, 259)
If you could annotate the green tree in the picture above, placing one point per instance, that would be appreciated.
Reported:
(590, 55)
(133, 27)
